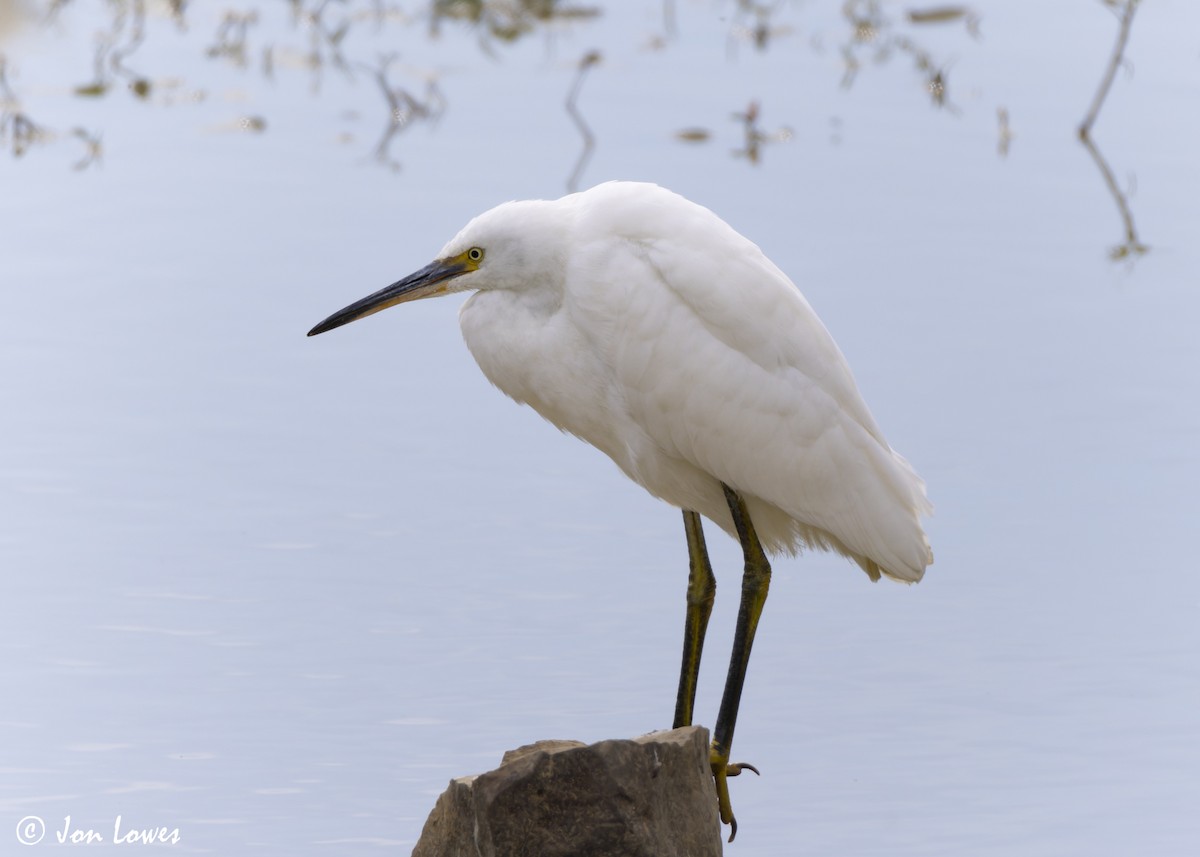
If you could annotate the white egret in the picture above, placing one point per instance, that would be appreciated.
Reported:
(645, 325)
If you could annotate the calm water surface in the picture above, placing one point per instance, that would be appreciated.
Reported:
(274, 592)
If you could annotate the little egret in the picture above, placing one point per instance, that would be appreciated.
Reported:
(645, 325)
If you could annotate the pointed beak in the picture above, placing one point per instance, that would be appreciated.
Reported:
(427, 282)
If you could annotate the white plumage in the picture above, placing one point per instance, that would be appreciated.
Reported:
(645, 325)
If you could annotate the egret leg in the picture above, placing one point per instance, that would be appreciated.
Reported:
(755, 581)
(702, 589)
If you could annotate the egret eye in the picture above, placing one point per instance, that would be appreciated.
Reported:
(475, 254)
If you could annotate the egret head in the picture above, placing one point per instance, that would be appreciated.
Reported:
(501, 248)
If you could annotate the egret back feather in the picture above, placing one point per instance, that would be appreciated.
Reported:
(645, 325)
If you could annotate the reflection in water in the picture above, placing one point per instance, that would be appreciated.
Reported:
(590, 59)
(933, 74)
(16, 128)
(125, 35)
(93, 150)
(693, 135)
(871, 29)
(325, 39)
(321, 40)
(669, 18)
(403, 109)
(231, 38)
(1132, 246)
(947, 15)
(505, 21)
(241, 124)
(1005, 134)
(242, 39)
(19, 132)
(323, 28)
(752, 23)
(753, 137)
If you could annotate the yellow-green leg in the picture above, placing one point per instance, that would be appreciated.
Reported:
(702, 589)
(755, 581)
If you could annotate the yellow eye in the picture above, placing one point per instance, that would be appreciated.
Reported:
(475, 254)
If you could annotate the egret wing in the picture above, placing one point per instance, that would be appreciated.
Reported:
(722, 364)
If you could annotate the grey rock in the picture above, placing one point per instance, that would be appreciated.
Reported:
(651, 796)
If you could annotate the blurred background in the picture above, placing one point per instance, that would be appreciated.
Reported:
(275, 592)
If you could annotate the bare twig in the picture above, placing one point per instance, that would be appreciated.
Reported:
(93, 148)
(231, 39)
(872, 31)
(403, 108)
(758, 30)
(1110, 73)
(137, 34)
(754, 137)
(1132, 245)
(16, 128)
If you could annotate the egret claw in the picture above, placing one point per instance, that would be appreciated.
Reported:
(722, 770)
(724, 807)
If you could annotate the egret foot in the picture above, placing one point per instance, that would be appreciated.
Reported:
(722, 769)
(735, 768)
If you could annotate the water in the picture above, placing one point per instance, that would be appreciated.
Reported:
(274, 592)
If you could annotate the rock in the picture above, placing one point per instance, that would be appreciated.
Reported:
(650, 796)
